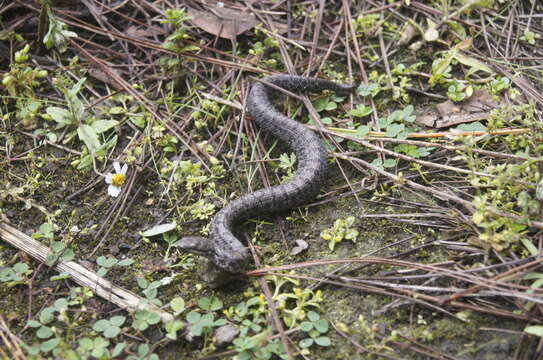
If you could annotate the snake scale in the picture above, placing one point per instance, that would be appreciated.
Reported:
(226, 254)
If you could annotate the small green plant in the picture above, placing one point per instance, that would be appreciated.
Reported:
(60, 250)
(58, 34)
(107, 263)
(500, 84)
(15, 275)
(98, 348)
(78, 123)
(144, 353)
(315, 327)
(202, 210)
(258, 347)
(177, 17)
(342, 230)
(22, 79)
(46, 330)
(361, 110)
(529, 36)
(110, 328)
(286, 164)
(457, 91)
(366, 24)
(144, 318)
(150, 290)
(328, 102)
(204, 324)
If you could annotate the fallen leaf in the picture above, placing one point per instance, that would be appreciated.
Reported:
(475, 108)
(301, 246)
(221, 21)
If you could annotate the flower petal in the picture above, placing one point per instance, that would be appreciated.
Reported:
(109, 178)
(117, 167)
(113, 190)
(124, 169)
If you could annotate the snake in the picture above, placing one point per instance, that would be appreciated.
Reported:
(226, 256)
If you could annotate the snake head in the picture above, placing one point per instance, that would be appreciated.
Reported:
(232, 259)
(196, 245)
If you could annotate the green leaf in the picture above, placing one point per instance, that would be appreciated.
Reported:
(197, 329)
(323, 341)
(159, 229)
(394, 129)
(361, 110)
(142, 282)
(57, 246)
(117, 320)
(68, 255)
(140, 325)
(313, 316)
(306, 326)
(321, 325)
(172, 327)
(204, 303)
(20, 267)
(117, 110)
(44, 332)
(86, 343)
(366, 89)
(305, 343)
(530, 247)
(118, 349)
(193, 317)
(106, 262)
(125, 262)
(112, 331)
(536, 330)
(331, 106)
(389, 163)
(138, 120)
(33, 323)
(474, 126)
(101, 126)
(153, 318)
(101, 325)
(62, 116)
(61, 304)
(101, 272)
(326, 120)
(49, 345)
(216, 304)
(178, 305)
(89, 137)
(47, 315)
(474, 64)
(362, 130)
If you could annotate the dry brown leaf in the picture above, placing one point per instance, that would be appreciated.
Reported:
(223, 22)
(475, 108)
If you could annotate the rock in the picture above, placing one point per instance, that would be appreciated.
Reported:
(225, 334)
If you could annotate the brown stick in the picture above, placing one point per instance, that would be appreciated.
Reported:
(104, 288)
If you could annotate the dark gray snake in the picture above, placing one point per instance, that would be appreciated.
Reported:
(225, 252)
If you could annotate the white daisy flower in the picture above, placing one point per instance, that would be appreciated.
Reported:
(117, 179)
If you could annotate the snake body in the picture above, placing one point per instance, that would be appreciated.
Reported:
(222, 248)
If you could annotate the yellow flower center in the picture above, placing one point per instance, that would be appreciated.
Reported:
(118, 179)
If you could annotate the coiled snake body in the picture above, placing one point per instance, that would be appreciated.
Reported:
(225, 252)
